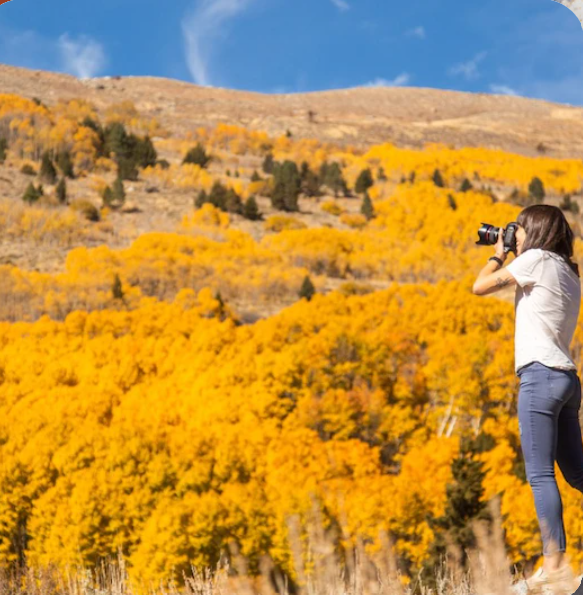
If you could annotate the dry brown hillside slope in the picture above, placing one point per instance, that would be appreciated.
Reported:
(359, 116)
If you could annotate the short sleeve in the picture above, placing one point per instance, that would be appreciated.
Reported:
(524, 267)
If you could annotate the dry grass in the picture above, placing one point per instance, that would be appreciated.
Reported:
(354, 573)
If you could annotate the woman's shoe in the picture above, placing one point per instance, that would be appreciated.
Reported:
(561, 581)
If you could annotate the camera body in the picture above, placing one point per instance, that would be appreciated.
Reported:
(488, 235)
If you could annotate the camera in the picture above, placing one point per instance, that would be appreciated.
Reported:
(488, 235)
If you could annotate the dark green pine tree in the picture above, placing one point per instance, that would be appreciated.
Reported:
(98, 129)
(381, 175)
(200, 199)
(536, 189)
(233, 202)
(218, 196)
(367, 208)
(412, 177)
(107, 196)
(465, 185)
(310, 181)
(116, 288)
(3, 149)
(287, 187)
(437, 179)
(65, 164)
(145, 153)
(118, 191)
(268, 164)
(61, 191)
(331, 176)
(452, 202)
(31, 194)
(197, 155)
(364, 181)
(255, 177)
(307, 290)
(48, 173)
(250, 209)
(462, 507)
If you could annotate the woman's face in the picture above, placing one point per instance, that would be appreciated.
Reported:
(520, 237)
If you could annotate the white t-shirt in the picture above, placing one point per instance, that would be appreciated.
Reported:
(547, 302)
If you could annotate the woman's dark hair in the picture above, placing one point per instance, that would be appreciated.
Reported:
(546, 228)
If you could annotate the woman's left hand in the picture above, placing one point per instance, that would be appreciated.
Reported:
(499, 247)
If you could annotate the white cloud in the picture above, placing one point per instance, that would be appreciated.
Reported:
(468, 69)
(401, 79)
(416, 32)
(83, 57)
(502, 90)
(341, 4)
(202, 29)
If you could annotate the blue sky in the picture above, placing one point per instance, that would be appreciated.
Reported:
(532, 48)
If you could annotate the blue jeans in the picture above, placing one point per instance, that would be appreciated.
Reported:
(548, 420)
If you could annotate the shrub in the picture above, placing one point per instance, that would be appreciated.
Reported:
(28, 170)
(87, 209)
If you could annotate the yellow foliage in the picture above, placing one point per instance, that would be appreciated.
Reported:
(282, 222)
(355, 220)
(332, 207)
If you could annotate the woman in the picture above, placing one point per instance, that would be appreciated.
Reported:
(547, 302)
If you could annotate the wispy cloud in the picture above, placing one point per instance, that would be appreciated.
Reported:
(469, 69)
(502, 90)
(398, 81)
(83, 57)
(416, 32)
(203, 29)
(341, 5)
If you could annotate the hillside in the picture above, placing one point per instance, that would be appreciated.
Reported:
(408, 117)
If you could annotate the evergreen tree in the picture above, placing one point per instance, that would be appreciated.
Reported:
(331, 176)
(233, 203)
(61, 191)
(48, 173)
(310, 181)
(463, 504)
(201, 199)
(364, 181)
(452, 202)
(466, 185)
(198, 156)
(307, 290)
(412, 177)
(437, 179)
(367, 208)
(255, 177)
(32, 194)
(65, 164)
(381, 175)
(116, 288)
(107, 196)
(3, 149)
(218, 196)
(126, 168)
(118, 191)
(536, 189)
(268, 164)
(569, 205)
(145, 153)
(287, 187)
(98, 129)
(250, 209)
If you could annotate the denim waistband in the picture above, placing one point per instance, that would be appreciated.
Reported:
(539, 366)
